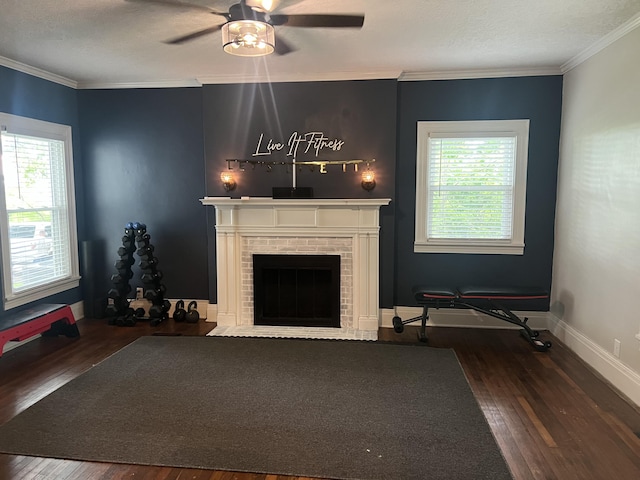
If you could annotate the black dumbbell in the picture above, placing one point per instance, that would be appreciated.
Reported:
(158, 311)
(158, 320)
(127, 242)
(114, 294)
(128, 319)
(139, 312)
(126, 251)
(146, 251)
(143, 240)
(155, 294)
(139, 228)
(152, 277)
(124, 263)
(149, 264)
(111, 311)
(179, 313)
(125, 273)
(122, 277)
(119, 292)
(128, 229)
(192, 315)
(122, 303)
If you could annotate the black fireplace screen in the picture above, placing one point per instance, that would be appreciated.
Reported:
(296, 290)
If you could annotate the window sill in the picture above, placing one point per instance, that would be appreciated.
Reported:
(39, 293)
(469, 249)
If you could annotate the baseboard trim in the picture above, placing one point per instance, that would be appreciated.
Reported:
(78, 310)
(461, 318)
(212, 312)
(620, 376)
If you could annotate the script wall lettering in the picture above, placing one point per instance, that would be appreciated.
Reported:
(316, 142)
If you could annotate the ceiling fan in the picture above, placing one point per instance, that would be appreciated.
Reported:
(249, 26)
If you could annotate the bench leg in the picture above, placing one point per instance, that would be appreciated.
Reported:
(398, 323)
(501, 312)
(423, 324)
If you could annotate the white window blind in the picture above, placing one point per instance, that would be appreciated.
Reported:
(471, 186)
(39, 240)
(471, 182)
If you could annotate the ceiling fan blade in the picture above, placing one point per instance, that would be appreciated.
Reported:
(317, 20)
(183, 5)
(194, 35)
(282, 47)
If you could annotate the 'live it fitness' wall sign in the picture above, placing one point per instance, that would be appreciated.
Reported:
(314, 142)
(310, 144)
(302, 128)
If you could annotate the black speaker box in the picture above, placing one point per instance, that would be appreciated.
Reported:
(291, 192)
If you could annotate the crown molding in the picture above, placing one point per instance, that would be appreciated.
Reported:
(37, 72)
(478, 73)
(300, 77)
(154, 84)
(601, 44)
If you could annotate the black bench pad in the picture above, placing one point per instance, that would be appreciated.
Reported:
(503, 293)
(425, 293)
(422, 292)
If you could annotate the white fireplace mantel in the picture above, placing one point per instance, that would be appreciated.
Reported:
(348, 227)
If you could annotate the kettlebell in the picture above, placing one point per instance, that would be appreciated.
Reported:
(179, 313)
(192, 315)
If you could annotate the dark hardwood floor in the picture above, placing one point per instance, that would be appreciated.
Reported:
(552, 416)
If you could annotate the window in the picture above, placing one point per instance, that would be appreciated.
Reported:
(37, 210)
(471, 186)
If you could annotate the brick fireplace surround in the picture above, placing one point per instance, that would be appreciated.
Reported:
(345, 227)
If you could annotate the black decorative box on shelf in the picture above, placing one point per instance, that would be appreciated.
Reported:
(292, 192)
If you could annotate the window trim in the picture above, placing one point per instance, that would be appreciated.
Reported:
(514, 246)
(54, 131)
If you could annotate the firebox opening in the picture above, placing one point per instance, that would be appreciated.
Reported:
(296, 290)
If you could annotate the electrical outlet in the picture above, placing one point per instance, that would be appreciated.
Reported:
(616, 347)
(139, 293)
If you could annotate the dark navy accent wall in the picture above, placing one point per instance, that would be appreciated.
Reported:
(360, 113)
(536, 98)
(143, 154)
(151, 154)
(28, 96)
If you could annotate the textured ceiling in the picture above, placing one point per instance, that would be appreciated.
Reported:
(118, 43)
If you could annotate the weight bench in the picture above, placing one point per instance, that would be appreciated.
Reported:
(484, 300)
(48, 319)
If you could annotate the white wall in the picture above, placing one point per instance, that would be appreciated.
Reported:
(596, 279)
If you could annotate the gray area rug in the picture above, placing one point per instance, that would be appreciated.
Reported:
(332, 409)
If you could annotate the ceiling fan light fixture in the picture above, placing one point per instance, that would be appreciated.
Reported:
(248, 38)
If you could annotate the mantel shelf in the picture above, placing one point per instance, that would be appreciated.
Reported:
(318, 202)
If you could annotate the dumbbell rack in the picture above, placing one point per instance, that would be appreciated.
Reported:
(136, 239)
